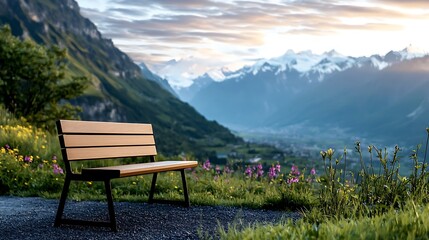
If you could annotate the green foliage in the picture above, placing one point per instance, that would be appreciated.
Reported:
(33, 81)
(410, 223)
(373, 191)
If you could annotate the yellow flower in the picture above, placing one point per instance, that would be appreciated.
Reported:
(89, 183)
(323, 154)
(134, 183)
(54, 161)
(330, 152)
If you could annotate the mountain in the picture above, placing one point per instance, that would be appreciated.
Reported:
(378, 97)
(188, 93)
(119, 91)
(152, 76)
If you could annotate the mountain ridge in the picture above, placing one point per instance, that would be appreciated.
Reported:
(352, 97)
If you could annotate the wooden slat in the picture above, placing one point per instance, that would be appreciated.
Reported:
(107, 140)
(109, 152)
(89, 127)
(143, 168)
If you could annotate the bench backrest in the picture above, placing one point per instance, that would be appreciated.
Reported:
(87, 140)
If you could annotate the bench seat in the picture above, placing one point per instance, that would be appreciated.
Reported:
(137, 169)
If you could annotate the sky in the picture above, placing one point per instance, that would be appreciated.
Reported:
(202, 35)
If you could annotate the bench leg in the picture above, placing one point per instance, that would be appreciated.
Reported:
(108, 188)
(62, 202)
(152, 188)
(185, 188)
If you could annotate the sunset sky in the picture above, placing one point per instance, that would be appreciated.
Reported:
(209, 34)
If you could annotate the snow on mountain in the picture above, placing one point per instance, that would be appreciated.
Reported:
(219, 74)
(305, 62)
(411, 52)
(378, 62)
(182, 73)
(318, 65)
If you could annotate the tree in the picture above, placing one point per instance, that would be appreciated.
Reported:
(33, 80)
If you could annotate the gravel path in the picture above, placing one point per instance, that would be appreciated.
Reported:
(32, 218)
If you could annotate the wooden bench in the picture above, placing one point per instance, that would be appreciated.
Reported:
(87, 140)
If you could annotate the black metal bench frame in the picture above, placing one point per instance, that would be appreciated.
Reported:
(106, 178)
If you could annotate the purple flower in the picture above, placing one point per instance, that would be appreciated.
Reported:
(7, 147)
(57, 169)
(278, 167)
(206, 165)
(54, 157)
(259, 171)
(217, 168)
(28, 159)
(227, 170)
(272, 172)
(294, 170)
(292, 180)
(248, 171)
(313, 171)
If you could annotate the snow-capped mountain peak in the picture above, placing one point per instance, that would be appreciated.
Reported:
(305, 62)
(219, 74)
(412, 52)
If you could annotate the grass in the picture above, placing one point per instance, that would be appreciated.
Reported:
(371, 200)
(410, 223)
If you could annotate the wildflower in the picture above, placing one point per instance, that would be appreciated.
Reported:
(272, 172)
(248, 172)
(330, 153)
(7, 147)
(54, 157)
(217, 168)
(206, 165)
(57, 169)
(227, 170)
(313, 171)
(259, 171)
(292, 180)
(28, 159)
(323, 154)
(294, 170)
(278, 167)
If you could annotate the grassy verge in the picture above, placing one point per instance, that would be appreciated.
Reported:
(410, 223)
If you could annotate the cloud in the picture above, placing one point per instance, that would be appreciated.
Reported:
(407, 3)
(153, 31)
